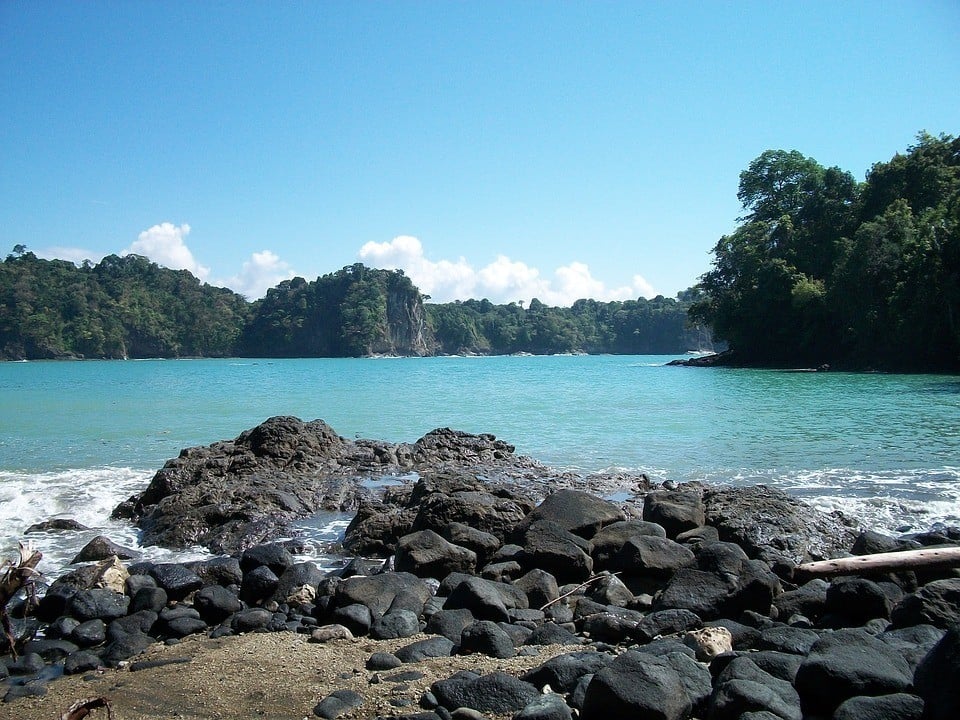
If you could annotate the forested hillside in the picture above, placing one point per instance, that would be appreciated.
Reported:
(824, 269)
(120, 307)
(131, 307)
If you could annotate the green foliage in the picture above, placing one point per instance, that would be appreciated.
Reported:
(121, 307)
(826, 270)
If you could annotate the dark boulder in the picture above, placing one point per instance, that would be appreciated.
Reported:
(576, 512)
(218, 571)
(559, 552)
(337, 703)
(847, 663)
(666, 622)
(913, 642)
(482, 543)
(485, 599)
(787, 639)
(214, 604)
(937, 603)
(178, 580)
(124, 647)
(273, 555)
(258, 585)
(395, 624)
(676, 511)
(98, 604)
(450, 623)
(562, 672)
(56, 525)
(938, 677)
(89, 633)
(292, 582)
(546, 707)
(80, 662)
(550, 633)
(100, 548)
(539, 586)
(899, 706)
(420, 650)
(808, 600)
(487, 638)
(250, 620)
(356, 618)
(769, 524)
(608, 541)
(636, 684)
(382, 592)
(494, 693)
(648, 556)
(427, 554)
(857, 600)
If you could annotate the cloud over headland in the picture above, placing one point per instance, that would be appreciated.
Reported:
(501, 281)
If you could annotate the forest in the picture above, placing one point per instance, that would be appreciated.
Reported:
(823, 269)
(129, 307)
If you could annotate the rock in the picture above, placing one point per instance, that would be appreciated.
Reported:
(250, 620)
(549, 547)
(178, 580)
(450, 623)
(938, 676)
(486, 637)
(35, 687)
(743, 687)
(768, 523)
(847, 663)
(709, 642)
(337, 703)
(376, 527)
(273, 555)
(184, 626)
(427, 554)
(101, 548)
(494, 693)
(149, 598)
(552, 634)
(215, 603)
(395, 624)
(381, 592)
(870, 542)
(562, 672)
(61, 628)
(237, 493)
(89, 633)
(913, 642)
(423, 649)
(357, 617)
(81, 661)
(482, 543)
(576, 512)
(676, 511)
(383, 661)
(899, 706)
(636, 685)
(124, 647)
(50, 650)
(648, 556)
(937, 603)
(258, 584)
(539, 586)
(857, 600)
(138, 623)
(483, 598)
(786, 639)
(608, 541)
(666, 622)
(809, 600)
(98, 603)
(549, 706)
(327, 633)
(218, 571)
(56, 525)
(56, 600)
(610, 590)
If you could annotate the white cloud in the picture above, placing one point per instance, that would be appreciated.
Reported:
(164, 245)
(261, 272)
(502, 281)
(73, 254)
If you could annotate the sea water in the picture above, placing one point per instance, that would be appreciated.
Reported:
(76, 438)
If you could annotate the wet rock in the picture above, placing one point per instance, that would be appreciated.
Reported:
(101, 548)
(98, 603)
(272, 555)
(176, 579)
(56, 525)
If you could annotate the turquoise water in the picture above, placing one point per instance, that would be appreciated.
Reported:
(77, 437)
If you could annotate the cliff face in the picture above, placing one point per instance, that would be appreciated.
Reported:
(406, 331)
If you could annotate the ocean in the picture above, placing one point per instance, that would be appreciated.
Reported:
(76, 438)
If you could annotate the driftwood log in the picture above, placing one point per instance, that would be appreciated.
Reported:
(16, 575)
(930, 558)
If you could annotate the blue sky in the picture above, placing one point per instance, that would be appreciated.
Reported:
(490, 149)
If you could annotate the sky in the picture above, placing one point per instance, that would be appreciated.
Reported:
(505, 150)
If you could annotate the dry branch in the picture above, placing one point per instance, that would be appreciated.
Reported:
(14, 577)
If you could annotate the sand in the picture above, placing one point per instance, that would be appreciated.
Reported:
(276, 676)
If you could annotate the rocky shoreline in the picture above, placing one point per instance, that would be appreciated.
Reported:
(675, 603)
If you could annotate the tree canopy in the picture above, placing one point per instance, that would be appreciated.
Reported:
(823, 269)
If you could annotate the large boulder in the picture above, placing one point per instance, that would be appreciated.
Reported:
(575, 511)
(381, 593)
(237, 493)
(848, 663)
(936, 603)
(494, 693)
(676, 511)
(427, 554)
(559, 552)
(938, 677)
